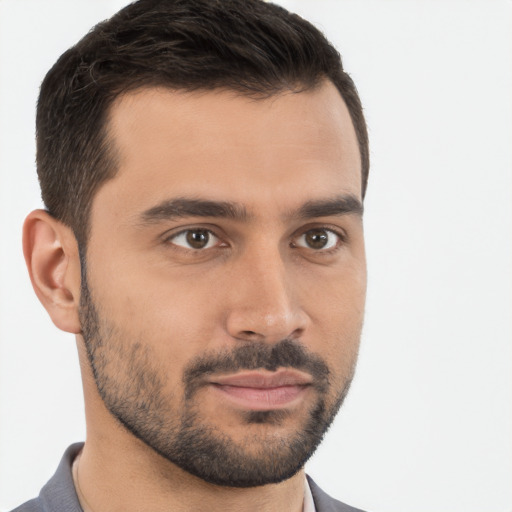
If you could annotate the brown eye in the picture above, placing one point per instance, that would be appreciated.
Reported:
(198, 239)
(195, 239)
(318, 239)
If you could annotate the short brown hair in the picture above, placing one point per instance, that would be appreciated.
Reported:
(250, 46)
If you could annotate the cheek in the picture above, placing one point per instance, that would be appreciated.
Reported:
(337, 312)
(336, 298)
(166, 311)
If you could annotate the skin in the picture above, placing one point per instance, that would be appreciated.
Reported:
(257, 281)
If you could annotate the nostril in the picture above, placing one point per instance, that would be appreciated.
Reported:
(250, 336)
(296, 334)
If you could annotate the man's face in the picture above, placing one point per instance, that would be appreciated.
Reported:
(223, 296)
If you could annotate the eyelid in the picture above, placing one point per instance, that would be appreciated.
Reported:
(171, 235)
(336, 231)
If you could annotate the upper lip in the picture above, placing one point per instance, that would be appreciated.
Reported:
(264, 379)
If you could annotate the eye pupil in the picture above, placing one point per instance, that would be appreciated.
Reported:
(198, 238)
(317, 238)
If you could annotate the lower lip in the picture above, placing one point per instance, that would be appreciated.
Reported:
(261, 399)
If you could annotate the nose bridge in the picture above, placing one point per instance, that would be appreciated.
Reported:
(264, 305)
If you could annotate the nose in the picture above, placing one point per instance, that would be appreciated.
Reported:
(264, 303)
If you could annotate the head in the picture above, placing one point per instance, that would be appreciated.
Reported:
(203, 165)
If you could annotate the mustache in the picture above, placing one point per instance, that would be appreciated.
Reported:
(254, 356)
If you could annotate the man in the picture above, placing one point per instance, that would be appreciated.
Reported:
(203, 165)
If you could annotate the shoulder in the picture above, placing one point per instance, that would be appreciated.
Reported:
(58, 495)
(324, 502)
(30, 506)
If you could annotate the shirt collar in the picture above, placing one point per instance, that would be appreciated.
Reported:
(309, 504)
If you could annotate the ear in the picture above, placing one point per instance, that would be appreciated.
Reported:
(51, 254)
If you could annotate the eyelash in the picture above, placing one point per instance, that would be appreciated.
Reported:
(341, 236)
(170, 240)
(341, 239)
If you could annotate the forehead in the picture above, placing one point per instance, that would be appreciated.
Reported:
(224, 146)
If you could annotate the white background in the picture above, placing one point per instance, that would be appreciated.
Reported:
(428, 424)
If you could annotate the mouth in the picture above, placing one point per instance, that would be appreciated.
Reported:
(262, 390)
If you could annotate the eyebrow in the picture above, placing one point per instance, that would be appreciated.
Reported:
(185, 207)
(341, 205)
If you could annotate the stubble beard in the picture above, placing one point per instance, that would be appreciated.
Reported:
(132, 387)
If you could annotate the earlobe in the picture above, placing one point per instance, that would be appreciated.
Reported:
(51, 255)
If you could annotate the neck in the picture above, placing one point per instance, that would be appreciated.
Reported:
(108, 480)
